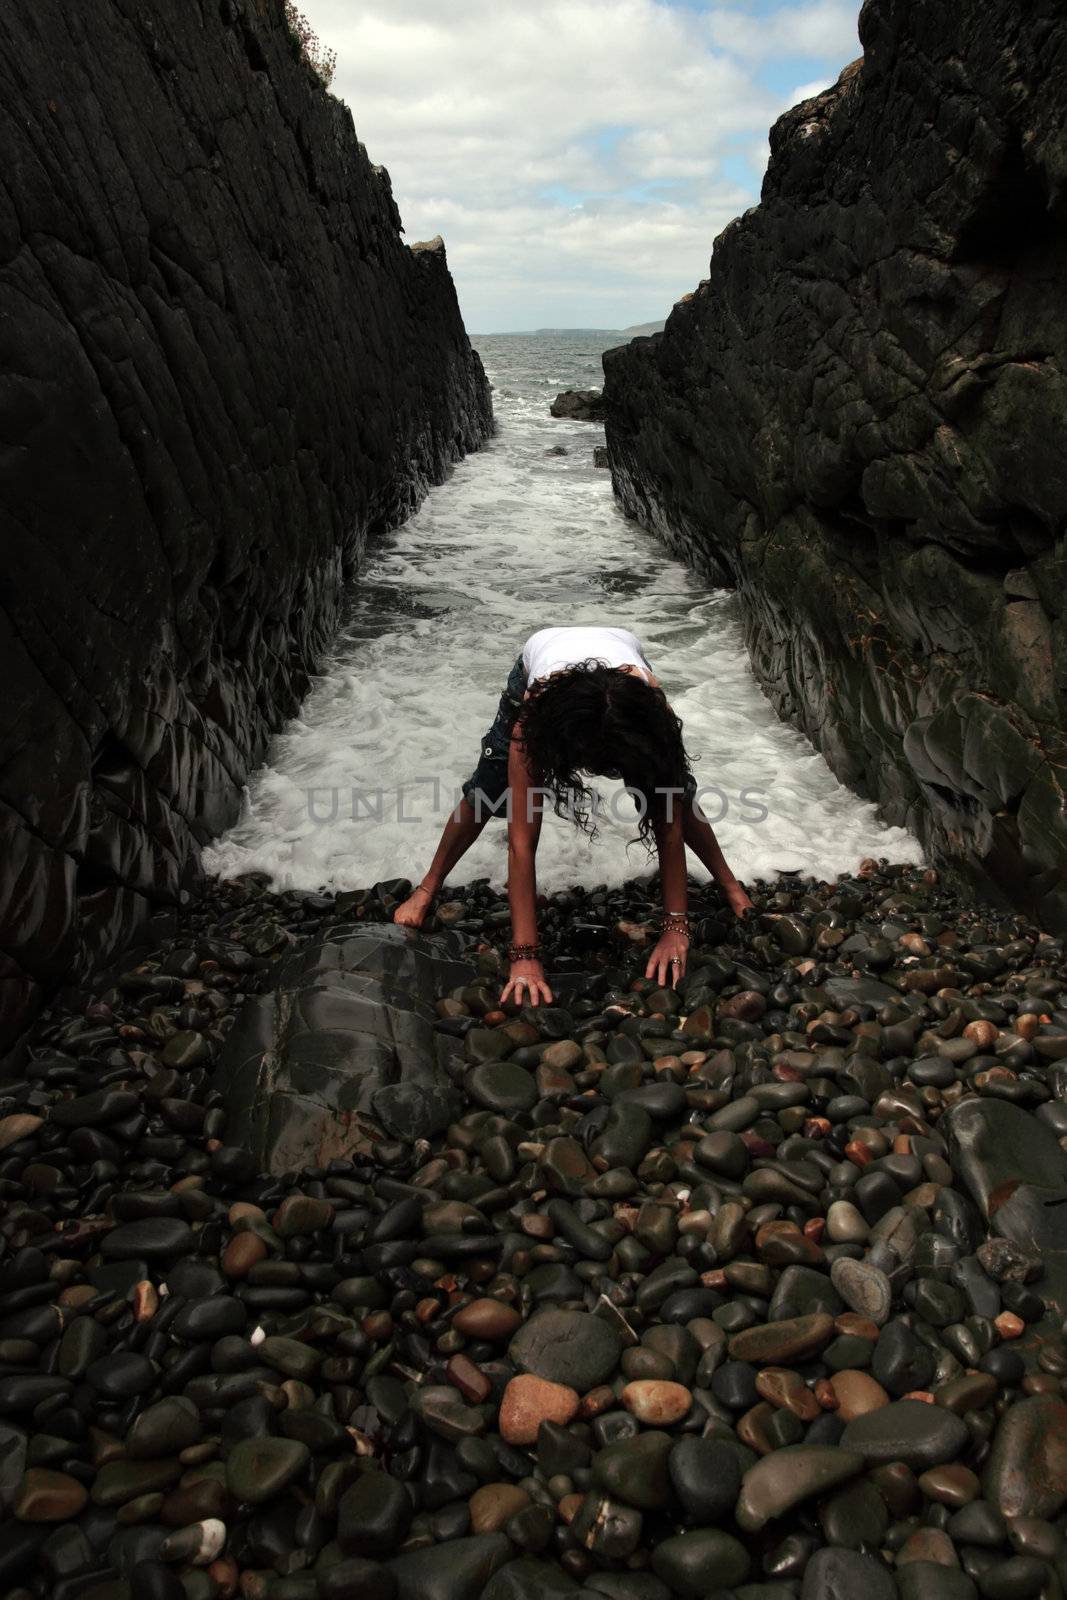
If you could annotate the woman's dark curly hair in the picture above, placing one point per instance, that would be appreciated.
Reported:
(606, 721)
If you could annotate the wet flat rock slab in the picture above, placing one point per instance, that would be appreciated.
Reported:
(342, 1050)
(325, 1277)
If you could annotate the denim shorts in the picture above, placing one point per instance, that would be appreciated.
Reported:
(490, 776)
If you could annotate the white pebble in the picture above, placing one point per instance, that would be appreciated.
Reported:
(212, 1540)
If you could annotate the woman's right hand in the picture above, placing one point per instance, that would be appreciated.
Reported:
(527, 985)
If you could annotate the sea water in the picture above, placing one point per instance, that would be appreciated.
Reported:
(357, 787)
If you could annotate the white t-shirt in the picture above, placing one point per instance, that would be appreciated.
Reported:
(554, 649)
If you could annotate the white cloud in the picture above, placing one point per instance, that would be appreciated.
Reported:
(823, 28)
(579, 156)
(808, 91)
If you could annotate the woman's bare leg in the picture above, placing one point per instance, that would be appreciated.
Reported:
(698, 835)
(459, 833)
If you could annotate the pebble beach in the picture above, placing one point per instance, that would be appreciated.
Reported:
(753, 1288)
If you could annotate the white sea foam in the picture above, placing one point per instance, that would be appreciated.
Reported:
(517, 540)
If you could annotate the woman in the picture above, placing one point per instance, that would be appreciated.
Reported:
(581, 700)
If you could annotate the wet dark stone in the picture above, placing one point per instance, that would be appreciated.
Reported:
(19, 1551)
(626, 1135)
(211, 1318)
(628, 1586)
(120, 1376)
(667, 1279)
(568, 1347)
(901, 1361)
(663, 1101)
(783, 1477)
(608, 1528)
(559, 1450)
(156, 1581)
(613, 1427)
(528, 1579)
(553, 1281)
(908, 1430)
(826, 1429)
(501, 1086)
(118, 1277)
(195, 1280)
(1018, 1578)
(374, 1516)
(800, 1292)
(83, 1341)
(22, 1393)
(786, 1560)
(848, 1351)
(591, 1245)
(875, 1194)
(1023, 1301)
(834, 1574)
(981, 1293)
(1005, 1364)
(977, 1523)
(95, 1110)
(930, 1580)
(12, 1463)
(157, 1239)
(937, 1303)
(957, 1217)
(734, 1383)
(1026, 1473)
(339, 1071)
(578, 405)
(993, 1143)
(706, 1477)
(459, 1570)
(704, 1558)
(933, 1070)
(356, 1579)
(855, 1517)
(724, 1153)
(635, 1470)
(258, 1469)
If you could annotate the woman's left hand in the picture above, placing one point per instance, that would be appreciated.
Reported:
(738, 900)
(666, 964)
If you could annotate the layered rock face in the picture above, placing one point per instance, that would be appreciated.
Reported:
(221, 370)
(858, 421)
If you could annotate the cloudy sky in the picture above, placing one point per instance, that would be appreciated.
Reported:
(579, 156)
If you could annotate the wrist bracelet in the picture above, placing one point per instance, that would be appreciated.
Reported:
(675, 922)
(524, 952)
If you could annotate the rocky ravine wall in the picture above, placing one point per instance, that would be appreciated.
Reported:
(859, 420)
(221, 370)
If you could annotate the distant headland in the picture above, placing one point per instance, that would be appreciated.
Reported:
(633, 332)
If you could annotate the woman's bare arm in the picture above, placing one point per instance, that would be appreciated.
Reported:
(526, 981)
(666, 964)
(700, 837)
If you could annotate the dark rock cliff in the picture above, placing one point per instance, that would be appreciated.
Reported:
(221, 370)
(858, 420)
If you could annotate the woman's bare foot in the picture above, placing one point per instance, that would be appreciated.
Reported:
(412, 913)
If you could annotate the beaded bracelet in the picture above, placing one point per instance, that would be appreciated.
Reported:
(675, 922)
(524, 952)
